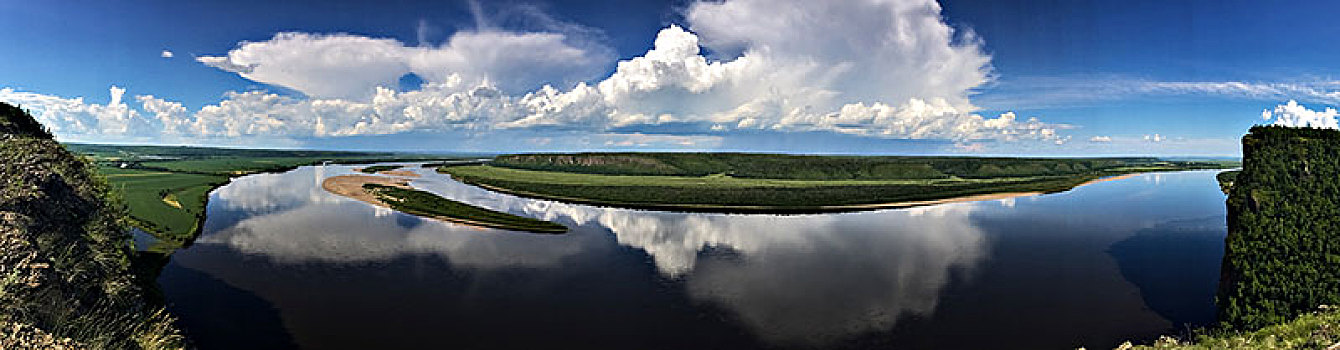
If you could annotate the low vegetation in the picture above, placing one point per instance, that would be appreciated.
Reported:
(1283, 246)
(783, 183)
(66, 274)
(423, 203)
(379, 168)
(1226, 180)
(1313, 330)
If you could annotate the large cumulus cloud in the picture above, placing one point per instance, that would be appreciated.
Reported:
(878, 68)
(1296, 115)
(351, 67)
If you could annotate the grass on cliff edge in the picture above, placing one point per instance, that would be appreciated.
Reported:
(1317, 330)
(431, 205)
(65, 252)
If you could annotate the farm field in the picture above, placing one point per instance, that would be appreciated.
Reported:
(166, 204)
(165, 188)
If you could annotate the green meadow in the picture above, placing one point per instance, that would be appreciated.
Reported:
(167, 204)
(431, 205)
(732, 182)
(165, 188)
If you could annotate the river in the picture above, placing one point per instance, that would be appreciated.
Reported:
(283, 264)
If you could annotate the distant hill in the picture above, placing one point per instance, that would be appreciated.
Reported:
(65, 262)
(1282, 257)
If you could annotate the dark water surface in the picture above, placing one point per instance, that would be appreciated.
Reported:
(283, 264)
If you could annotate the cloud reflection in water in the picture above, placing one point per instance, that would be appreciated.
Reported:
(806, 278)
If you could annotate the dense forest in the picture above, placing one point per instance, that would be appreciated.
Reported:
(66, 274)
(807, 167)
(1282, 254)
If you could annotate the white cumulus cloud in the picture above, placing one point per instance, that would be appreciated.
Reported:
(1296, 115)
(876, 68)
(352, 66)
(66, 116)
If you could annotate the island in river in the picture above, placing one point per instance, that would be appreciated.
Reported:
(395, 193)
(774, 183)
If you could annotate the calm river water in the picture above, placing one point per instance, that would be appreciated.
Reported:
(283, 264)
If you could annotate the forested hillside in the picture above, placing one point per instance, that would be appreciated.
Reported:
(65, 270)
(1282, 256)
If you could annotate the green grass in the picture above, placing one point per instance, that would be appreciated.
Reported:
(427, 204)
(805, 184)
(1317, 330)
(726, 194)
(379, 168)
(231, 166)
(147, 193)
(151, 178)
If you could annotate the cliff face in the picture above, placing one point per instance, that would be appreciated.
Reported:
(1282, 255)
(65, 273)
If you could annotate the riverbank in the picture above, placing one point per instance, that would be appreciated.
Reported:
(733, 195)
(395, 193)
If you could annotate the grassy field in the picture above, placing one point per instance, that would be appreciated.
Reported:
(427, 204)
(724, 194)
(784, 183)
(165, 187)
(166, 204)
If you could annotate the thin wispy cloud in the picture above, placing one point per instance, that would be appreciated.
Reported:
(1051, 92)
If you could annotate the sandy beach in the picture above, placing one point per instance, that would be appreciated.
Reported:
(352, 186)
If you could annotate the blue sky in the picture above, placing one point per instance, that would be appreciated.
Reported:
(867, 76)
